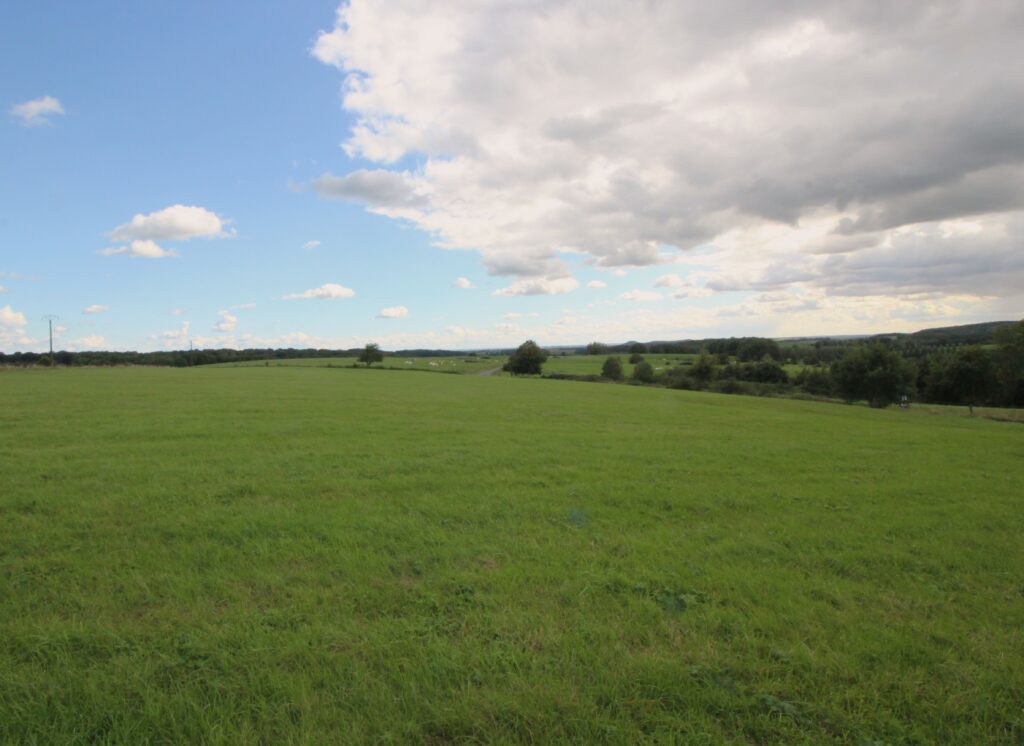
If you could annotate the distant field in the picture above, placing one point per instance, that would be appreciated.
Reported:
(328, 555)
(454, 364)
(591, 364)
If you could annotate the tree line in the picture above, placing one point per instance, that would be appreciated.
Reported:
(880, 370)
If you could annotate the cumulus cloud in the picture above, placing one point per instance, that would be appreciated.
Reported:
(378, 188)
(394, 312)
(597, 284)
(310, 245)
(463, 283)
(141, 249)
(640, 295)
(227, 322)
(11, 318)
(176, 338)
(90, 342)
(539, 286)
(329, 290)
(95, 308)
(729, 118)
(174, 223)
(37, 111)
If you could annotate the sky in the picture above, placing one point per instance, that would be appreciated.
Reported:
(472, 173)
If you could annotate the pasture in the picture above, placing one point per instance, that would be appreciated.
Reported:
(440, 364)
(326, 555)
(590, 365)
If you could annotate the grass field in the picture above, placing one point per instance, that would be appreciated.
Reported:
(451, 364)
(587, 365)
(315, 555)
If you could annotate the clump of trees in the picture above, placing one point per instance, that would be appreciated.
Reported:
(528, 359)
(875, 374)
(371, 354)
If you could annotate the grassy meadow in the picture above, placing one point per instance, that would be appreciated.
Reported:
(442, 364)
(590, 365)
(293, 555)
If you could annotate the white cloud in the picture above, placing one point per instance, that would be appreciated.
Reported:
(539, 286)
(227, 322)
(140, 249)
(326, 291)
(462, 283)
(597, 284)
(669, 281)
(95, 308)
(641, 295)
(91, 342)
(10, 318)
(176, 338)
(243, 306)
(176, 312)
(3, 289)
(310, 245)
(740, 117)
(394, 312)
(174, 223)
(37, 111)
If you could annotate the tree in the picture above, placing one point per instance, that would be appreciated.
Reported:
(638, 348)
(612, 369)
(643, 372)
(371, 354)
(703, 370)
(1010, 361)
(596, 348)
(874, 373)
(971, 375)
(527, 359)
(636, 358)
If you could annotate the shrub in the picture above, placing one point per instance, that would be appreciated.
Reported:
(612, 369)
(643, 372)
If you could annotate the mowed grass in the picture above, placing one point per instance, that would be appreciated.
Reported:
(314, 555)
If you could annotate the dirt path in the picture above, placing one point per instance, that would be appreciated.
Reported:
(490, 372)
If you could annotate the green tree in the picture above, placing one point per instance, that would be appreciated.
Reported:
(971, 376)
(528, 359)
(596, 348)
(635, 358)
(612, 369)
(875, 374)
(371, 354)
(703, 369)
(638, 348)
(1009, 361)
(643, 372)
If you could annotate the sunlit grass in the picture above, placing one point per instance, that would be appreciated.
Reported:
(300, 555)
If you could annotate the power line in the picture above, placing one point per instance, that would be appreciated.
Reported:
(51, 317)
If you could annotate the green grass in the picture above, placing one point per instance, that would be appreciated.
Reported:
(585, 365)
(315, 555)
(450, 364)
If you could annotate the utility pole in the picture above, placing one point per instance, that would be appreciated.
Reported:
(50, 317)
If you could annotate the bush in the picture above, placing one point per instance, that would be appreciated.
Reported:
(612, 369)
(643, 372)
(636, 358)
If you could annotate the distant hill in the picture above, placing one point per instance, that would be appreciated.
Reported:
(966, 334)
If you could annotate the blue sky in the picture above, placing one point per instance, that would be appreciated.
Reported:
(531, 185)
